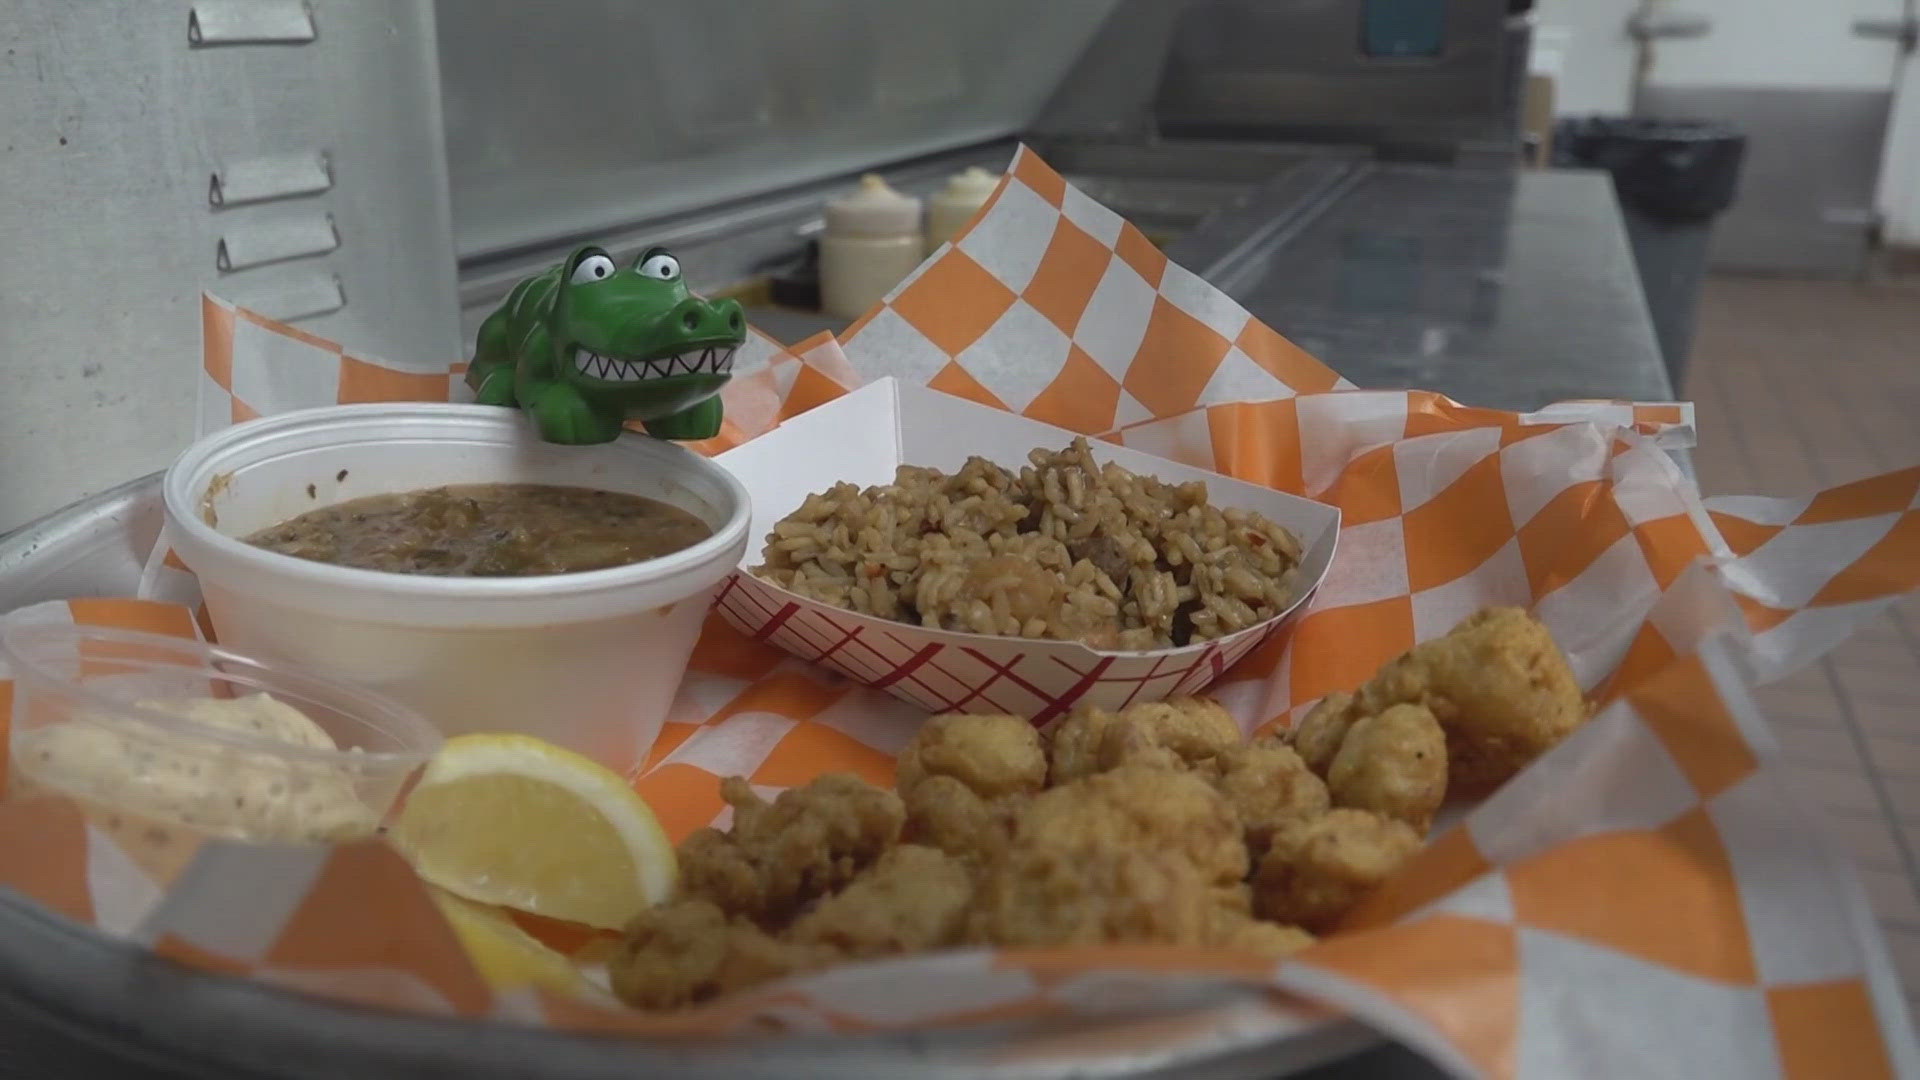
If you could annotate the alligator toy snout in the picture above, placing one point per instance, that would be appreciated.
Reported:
(700, 319)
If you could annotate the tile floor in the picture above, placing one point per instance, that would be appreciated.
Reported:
(1802, 385)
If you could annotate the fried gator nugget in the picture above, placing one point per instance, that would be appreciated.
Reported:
(1317, 870)
(964, 777)
(1240, 931)
(1177, 733)
(1139, 807)
(1046, 896)
(992, 755)
(1394, 764)
(944, 813)
(808, 842)
(1318, 736)
(1498, 685)
(914, 899)
(1073, 744)
(1268, 786)
(688, 951)
(1138, 854)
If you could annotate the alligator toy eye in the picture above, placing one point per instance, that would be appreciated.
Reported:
(593, 268)
(659, 265)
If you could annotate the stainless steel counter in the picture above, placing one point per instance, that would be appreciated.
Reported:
(1510, 289)
(1505, 288)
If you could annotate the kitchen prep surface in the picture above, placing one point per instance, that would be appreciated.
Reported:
(1503, 288)
(1508, 289)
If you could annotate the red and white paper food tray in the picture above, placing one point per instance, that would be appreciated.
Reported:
(861, 438)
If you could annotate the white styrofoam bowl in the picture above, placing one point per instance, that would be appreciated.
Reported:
(590, 661)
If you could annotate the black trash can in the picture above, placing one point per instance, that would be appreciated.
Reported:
(1673, 177)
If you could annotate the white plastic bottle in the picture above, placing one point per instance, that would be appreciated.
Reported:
(954, 205)
(872, 240)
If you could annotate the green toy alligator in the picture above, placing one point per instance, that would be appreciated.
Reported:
(586, 346)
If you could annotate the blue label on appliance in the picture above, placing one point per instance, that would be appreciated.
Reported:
(1403, 28)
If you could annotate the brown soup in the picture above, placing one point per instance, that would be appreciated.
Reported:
(487, 530)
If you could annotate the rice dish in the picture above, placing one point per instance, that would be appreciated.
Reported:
(1065, 549)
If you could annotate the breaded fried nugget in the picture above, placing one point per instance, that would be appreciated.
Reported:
(1178, 732)
(1317, 870)
(1497, 683)
(1230, 929)
(688, 951)
(716, 869)
(808, 842)
(1500, 688)
(1318, 735)
(944, 813)
(1268, 785)
(1139, 807)
(1044, 896)
(1394, 764)
(1125, 742)
(1235, 899)
(1073, 744)
(993, 755)
(914, 899)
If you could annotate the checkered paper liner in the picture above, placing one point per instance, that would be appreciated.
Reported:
(1646, 900)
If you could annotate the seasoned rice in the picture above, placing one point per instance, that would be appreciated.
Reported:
(1065, 549)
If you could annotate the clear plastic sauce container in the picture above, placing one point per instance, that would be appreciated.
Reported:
(163, 740)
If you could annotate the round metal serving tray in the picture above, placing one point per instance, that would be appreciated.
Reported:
(71, 997)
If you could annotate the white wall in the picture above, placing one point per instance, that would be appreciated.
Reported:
(1593, 68)
(1899, 200)
(1780, 44)
(1772, 43)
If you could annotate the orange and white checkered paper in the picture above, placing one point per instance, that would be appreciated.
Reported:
(1647, 900)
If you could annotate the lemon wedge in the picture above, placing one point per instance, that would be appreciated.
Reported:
(517, 822)
(508, 957)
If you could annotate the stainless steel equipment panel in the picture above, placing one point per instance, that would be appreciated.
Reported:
(570, 119)
(282, 153)
(1408, 72)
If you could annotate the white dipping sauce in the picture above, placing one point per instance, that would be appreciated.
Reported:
(199, 783)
